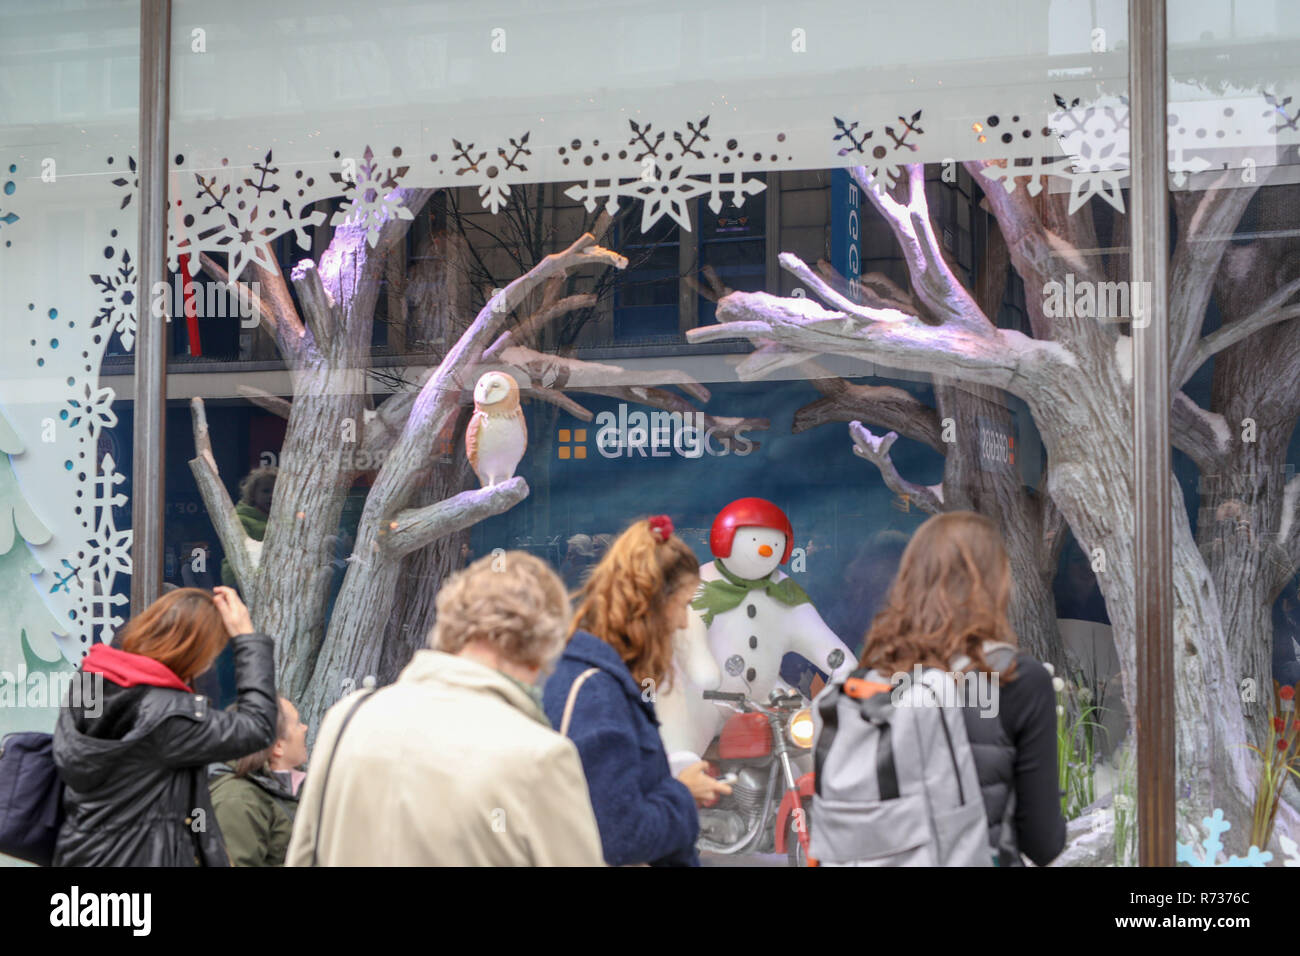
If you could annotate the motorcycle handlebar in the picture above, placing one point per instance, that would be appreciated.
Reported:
(724, 695)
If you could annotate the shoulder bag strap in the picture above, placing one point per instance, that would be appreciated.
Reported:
(573, 697)
(324, 784)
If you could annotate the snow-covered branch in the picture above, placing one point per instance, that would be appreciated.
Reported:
(526, 329)
(1000, 357)
(929, 498)
(438, 399)
(934, 283)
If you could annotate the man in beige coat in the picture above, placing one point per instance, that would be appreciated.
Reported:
(455, 764)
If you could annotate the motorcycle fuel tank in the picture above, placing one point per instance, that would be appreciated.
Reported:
(745, 737)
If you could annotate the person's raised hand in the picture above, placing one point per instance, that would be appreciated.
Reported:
(704, 787)
(234, 614)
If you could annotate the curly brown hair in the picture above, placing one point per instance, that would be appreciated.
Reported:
(950, 595)
(511, 600)
(624, 599)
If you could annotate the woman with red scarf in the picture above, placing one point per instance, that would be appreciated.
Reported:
(133, 754)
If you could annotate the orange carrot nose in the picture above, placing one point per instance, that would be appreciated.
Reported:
(765, 550)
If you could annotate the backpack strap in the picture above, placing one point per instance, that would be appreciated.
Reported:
(573, 697)
(325, 781)
(828, 708)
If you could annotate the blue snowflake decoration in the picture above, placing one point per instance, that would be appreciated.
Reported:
(1214, 826)
(7, 188)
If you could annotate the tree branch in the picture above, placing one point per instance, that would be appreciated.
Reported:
(548, 369)
(526, 329)
(938, 289)
(221, 510)
(1270, 313)
(415, 528)
(1039, 255)
(1206, 225)
(999, 357)
(263, 399)
(1202, 436)
(438, 399)
(318, 306)
(929, 498)
(558, 399)
(885, 405)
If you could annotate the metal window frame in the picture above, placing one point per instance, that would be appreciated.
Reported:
(148, 472)
(1156, 727)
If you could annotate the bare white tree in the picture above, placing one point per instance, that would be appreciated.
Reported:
(1074, 374)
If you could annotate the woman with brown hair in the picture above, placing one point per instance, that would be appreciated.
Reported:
(133, 756)
(947, 609)
(602, 695)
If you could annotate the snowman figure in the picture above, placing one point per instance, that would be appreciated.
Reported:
(747, 615)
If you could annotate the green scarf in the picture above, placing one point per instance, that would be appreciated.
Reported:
(718, 597)
(534, 694)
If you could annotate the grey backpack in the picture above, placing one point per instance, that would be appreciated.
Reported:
(896, 783)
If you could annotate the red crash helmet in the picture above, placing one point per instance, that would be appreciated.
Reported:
(748, 513)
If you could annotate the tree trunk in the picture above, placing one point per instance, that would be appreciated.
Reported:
(975, 479)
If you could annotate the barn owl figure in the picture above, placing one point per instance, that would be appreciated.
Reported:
(497, 434)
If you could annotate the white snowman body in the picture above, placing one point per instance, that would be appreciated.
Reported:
(747, 644)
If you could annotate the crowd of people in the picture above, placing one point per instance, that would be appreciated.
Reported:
(523, 734)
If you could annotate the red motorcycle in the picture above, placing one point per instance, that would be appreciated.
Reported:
(764, 753)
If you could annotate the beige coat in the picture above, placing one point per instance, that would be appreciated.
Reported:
(452, 765)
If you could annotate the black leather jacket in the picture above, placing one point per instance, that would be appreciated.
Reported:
(134, 772)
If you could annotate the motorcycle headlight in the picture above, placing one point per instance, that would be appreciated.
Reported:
(801, 729)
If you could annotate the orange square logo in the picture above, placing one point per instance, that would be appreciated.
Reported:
(571, 443)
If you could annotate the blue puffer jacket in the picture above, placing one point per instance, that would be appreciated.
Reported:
(645, 815)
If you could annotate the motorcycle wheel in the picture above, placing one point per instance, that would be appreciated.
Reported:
(794, 851)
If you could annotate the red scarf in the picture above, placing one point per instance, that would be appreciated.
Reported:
(130, 670)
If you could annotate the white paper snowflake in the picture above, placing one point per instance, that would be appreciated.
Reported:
(1213, 846)
(94, 408)
(240, 211)
(373, 200)
(1036, 168)
(117, 302)
(1097, 171)
(105, 553)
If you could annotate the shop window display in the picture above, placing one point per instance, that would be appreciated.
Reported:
(862, 310)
